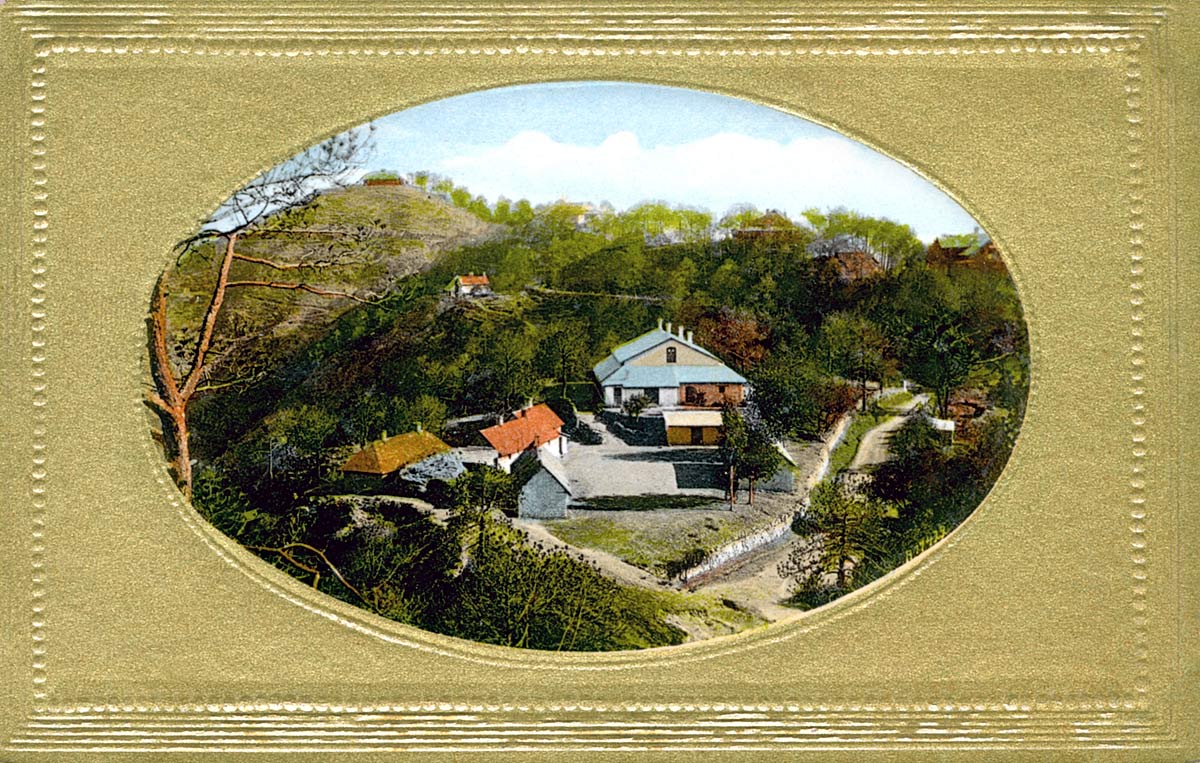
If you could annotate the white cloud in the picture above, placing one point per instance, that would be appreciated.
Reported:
(713, 172)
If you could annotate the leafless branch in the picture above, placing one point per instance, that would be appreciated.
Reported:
(283, 551)
(297, 287)
(285, 265)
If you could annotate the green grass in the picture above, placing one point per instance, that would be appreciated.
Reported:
(707, 612)
(897, 401)
(653, 542)
(846, 450)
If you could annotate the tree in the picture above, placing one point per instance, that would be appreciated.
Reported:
(849, 525)
(473, 497)
(504, 379)
(425, 411)
(940, 355)
(735, 438)
(747, 450)
(855, 348)
(760, 460)
(287, 186)
(895, 243)
(305, 431)
(560, 355)
(736, 334)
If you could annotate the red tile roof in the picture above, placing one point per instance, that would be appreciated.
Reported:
(473, 280)
(532, 428)
(386, 456)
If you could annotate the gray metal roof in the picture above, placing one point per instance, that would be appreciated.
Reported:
(634, 347)
(644, 377)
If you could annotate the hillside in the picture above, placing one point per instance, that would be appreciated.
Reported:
(360, 241)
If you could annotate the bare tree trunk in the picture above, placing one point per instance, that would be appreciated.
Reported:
(172, 394)
(170, 397)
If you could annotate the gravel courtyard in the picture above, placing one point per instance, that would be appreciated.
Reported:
(614, 468)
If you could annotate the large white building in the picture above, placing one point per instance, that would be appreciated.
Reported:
(670, 370)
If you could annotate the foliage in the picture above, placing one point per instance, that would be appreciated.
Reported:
(747, 450)
(850, 527)
(634, 405)
(519, 594)
(577, 280)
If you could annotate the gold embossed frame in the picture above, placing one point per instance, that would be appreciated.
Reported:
(1059, 621)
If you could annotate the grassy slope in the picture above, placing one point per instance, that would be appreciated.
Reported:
(267, 333)
(380, 234)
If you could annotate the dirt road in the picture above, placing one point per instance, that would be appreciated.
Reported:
(872, 449)
(755, 585)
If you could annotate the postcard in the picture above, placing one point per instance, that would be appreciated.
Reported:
(602, 380)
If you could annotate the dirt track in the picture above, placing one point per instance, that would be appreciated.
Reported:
(872, 449)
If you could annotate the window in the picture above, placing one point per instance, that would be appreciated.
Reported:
(721, 388)
(617, 395)
(670, 354)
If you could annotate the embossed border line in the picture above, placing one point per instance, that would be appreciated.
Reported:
(447, 727)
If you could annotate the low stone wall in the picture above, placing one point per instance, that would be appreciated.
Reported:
(741, 546)
(828, 447)
(644, 430)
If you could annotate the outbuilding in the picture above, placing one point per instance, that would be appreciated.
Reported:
(693, 427)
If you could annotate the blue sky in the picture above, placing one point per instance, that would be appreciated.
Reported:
(625, 143)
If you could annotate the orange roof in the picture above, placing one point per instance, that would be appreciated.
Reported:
(473, 280)
(532, 428)
(386, 456)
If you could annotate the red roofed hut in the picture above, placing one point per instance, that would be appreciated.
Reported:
(535, 428)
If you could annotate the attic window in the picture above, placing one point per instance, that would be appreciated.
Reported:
(670, 354)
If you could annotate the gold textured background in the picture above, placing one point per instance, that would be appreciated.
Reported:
(1059, 621)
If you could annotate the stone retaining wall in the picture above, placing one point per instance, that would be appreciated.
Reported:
(741, 546)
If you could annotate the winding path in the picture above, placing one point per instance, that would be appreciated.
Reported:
(872, 449)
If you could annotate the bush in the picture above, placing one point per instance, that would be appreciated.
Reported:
(564, 409)
(583, 434)
(634, 406)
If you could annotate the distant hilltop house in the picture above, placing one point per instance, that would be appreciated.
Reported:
(670, 370)
(383, 178)
(973, 250)
(417, 456)
(471, 285)
(852, 257)
(536, 430)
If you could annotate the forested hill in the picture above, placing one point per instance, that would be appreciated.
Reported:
(344, 247)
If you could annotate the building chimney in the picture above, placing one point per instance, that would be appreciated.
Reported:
(420, 428)
(681, 332)
(668, 327)
(660, 324)
(383, 436)
(690, 333)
